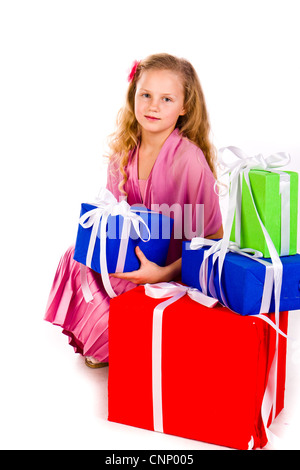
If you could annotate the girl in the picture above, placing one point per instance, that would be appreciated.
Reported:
(161, 156)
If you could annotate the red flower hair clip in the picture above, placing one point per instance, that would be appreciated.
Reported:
(133, 70)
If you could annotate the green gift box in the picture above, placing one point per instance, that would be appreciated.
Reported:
(266, 190)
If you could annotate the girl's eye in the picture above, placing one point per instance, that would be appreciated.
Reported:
(167, 100)
(145, 95)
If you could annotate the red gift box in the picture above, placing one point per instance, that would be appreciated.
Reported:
(214, 369)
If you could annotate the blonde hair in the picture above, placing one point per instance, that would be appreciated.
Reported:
(194, 124)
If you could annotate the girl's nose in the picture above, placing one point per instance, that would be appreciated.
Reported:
(154, 104)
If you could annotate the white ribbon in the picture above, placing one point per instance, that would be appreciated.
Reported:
(159, 291)
(237, 170)
(107, 205)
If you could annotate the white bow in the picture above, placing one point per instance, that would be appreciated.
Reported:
(107, 205)
(214, 251)
(258, 162)
(175, 290)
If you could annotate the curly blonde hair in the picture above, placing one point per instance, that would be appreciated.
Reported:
(194, 124)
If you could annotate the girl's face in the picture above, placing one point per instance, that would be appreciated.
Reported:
(159, 101)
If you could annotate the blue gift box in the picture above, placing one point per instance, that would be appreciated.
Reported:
(243, 280)
(156, 249)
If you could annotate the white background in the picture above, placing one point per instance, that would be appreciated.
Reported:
(64, 67)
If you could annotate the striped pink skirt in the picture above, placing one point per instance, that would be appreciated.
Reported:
(86, 324)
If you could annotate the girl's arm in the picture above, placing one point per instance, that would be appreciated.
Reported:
(151, 273)
(218, 234)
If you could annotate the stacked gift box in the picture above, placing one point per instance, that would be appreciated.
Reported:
(268, 202)
(203, 373)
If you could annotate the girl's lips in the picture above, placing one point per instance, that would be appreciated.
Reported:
(152, 118)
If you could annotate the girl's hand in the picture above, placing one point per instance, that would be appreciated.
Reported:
(148, 273)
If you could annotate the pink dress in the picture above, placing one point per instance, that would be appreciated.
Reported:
(179, 177)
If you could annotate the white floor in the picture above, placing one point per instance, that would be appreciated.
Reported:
(51, 400)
